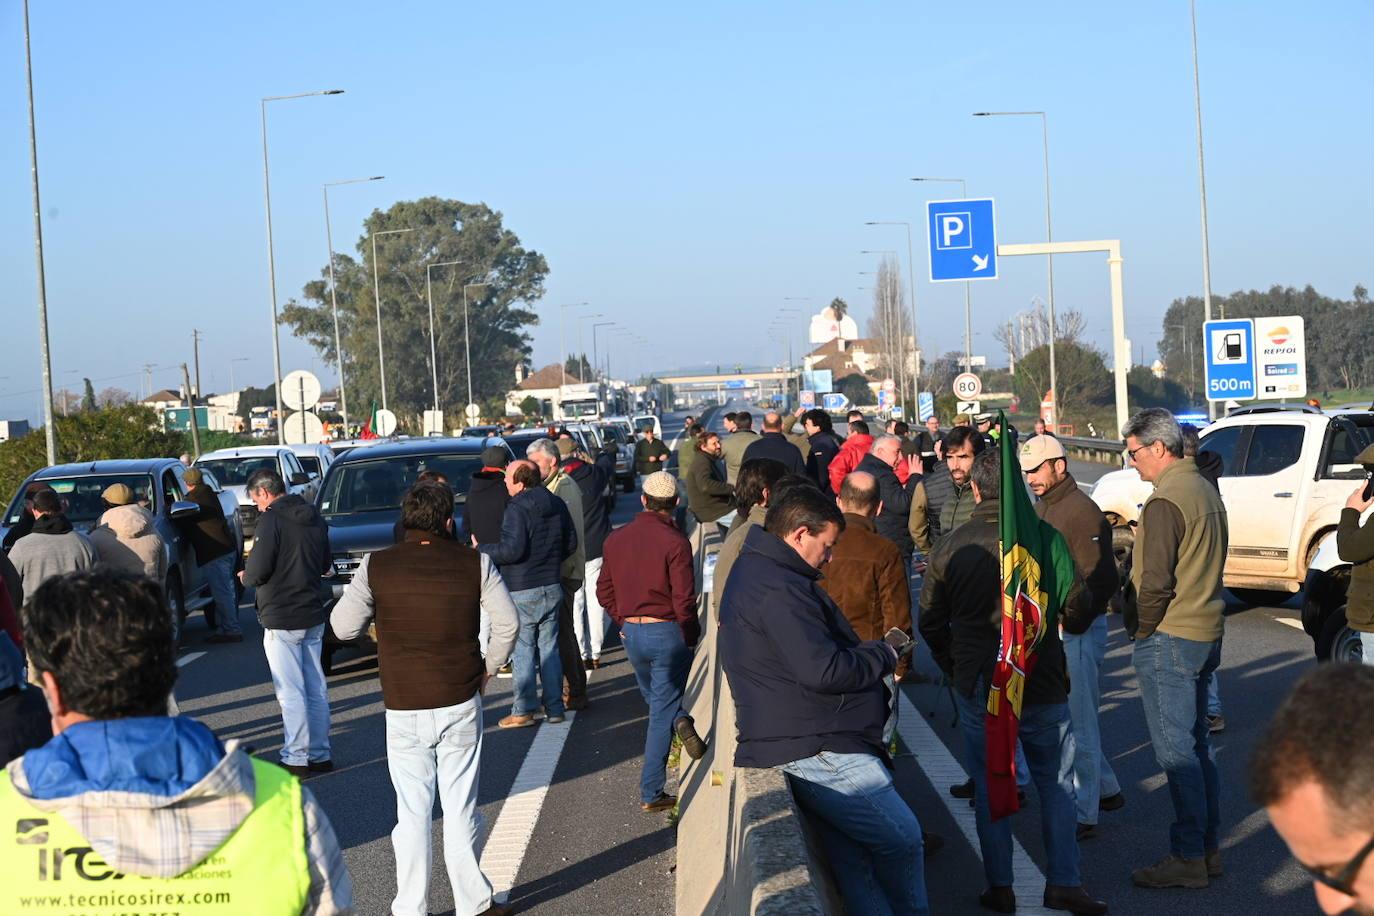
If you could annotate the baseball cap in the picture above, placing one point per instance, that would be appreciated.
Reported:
(1036, 450)
(494, 456)
(118, 495)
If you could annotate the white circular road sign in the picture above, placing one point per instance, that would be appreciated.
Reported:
(300, 390)
(472, 412)
(967, 386)
(386, 422)
(303, 427)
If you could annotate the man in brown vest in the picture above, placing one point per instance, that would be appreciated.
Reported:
(427, 594)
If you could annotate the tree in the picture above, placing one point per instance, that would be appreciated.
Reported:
(576, 367)
(1085, 385)
(88, 395)
(530, 406)
(839, 307)
(251, 397)
(445, 230)
(1144, 390)
(114, 397)
(890, 325)
(1032, 329)
(855, 387)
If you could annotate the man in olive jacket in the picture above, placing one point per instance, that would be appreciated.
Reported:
(1355, 545)
(708, 496)
(1074, 515)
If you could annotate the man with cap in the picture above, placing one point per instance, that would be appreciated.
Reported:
(487, 497)
(648, 586)
(1355, 545)
(53, 547)
(216, 550)
(1074, 515)
(593, 479)
(125, 537)
(651, 453)
(548, 457)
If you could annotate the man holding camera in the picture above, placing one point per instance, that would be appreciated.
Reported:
(1355, 544)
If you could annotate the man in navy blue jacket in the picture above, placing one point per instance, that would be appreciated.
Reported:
(810, 700)
(537, 535)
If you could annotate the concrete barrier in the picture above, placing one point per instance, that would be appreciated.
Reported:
(742, 845)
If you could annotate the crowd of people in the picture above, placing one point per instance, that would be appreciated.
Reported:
(813, 587)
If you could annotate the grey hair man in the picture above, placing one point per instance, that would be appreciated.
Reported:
(1174, 614)
(882, 460)
(544, 453)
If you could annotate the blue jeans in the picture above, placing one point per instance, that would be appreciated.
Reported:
(219, 575)
(1173, 675)
(1213, 696)
(536, 650)
(425, 749)
(870, 836)
(1046, 737)
(293, 657)
(1093, 778)
(1367, 647)
(661, 661)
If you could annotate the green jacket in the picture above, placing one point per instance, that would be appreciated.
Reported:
(729, 552)
(732, 447)
(708, 496)
(566, 489)
(1355, 544)
(645, 454)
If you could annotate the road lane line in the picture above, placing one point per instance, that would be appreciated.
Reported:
(1289, 621)
(188, 658)
(503, 851)
(943, 771)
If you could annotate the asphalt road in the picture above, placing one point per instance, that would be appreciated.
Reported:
(592, 850)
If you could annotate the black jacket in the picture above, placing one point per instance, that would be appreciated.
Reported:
(25, 722)
(289, 560)
(209, 530)
(592, 480)
(776, 446)
(961, 611)
(485, 507)
(803, 681)
(537, 535)
(824, 447)
(892, 521)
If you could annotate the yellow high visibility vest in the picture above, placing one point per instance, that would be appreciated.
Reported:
(261, 869)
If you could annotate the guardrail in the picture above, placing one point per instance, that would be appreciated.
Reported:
(1103, 451)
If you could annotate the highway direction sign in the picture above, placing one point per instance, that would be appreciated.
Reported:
(967, 386)
(968, 407)
(835, 401)
(1229, 351)
(925, 405)
(963, 239)
(1280, 358)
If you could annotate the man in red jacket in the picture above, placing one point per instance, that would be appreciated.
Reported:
(851, 453)
(648, 587)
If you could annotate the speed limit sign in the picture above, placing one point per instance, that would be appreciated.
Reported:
(967, 386)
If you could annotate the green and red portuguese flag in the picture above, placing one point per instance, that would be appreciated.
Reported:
(369, 430)
(1037, 576)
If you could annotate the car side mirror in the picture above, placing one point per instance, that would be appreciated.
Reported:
(300, 477)
(183, 508)
(314, 475)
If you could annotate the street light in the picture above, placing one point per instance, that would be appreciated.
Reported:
(467, 338)
(271, 256)
(595, 359)
(1049, 230)
(236, 359)
(583, 354)
(1202, 189)
(333, 290)
(968, 303)
(563, 341)
(377, 298)
(433, 353)
(911, 282)
(49, 431)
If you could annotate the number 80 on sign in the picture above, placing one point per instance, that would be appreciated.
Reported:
(967, 386)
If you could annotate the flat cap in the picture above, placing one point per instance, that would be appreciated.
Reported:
(660, 485)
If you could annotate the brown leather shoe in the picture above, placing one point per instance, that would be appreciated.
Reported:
(661, 802)
(576, 703)
(516, 722)
(1073, 899)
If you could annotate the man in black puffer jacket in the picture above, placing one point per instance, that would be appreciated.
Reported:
(593, 480)
(289, 560)
(487, 498)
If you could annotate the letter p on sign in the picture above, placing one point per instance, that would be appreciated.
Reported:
(954, 231)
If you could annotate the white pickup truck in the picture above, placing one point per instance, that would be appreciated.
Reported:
(1287, 472)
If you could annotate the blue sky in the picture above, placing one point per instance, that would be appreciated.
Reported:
(683, 168)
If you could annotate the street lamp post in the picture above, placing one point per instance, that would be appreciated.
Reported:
(334, 293)
(968, 299)
(595, 359)
(236, 359)
(563, 341)
(467, 338)
(911, 282)
(377, 299)
(1049, 232)
(582, 366)
(49, 430)
(1202, 189)
(271, 256)
(433, 351)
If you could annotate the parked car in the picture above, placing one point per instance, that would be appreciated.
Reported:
(361, 497)
(648, 419)
(160, 488)
(233, 466)
(619, 431)
(314, 458)
(1286, 473)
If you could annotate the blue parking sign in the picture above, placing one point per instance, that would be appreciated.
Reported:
(1229, 351)
(963, 239)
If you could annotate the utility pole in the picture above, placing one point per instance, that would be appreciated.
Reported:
(148, 379)
(195, 346)
(195, 424)
(49, 430)
(1011, 349)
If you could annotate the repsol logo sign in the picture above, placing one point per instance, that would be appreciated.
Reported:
(56, 862)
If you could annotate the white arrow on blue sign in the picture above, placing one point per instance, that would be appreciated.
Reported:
(1229, 351)
(963, 239)
(834, 401)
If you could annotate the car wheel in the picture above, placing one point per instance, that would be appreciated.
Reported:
(176, 603)
(1260, 597)
(1337, 642)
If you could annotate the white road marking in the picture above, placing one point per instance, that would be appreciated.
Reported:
(943, 771)
(504, 848)
(188, 658)
(1295, 624)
